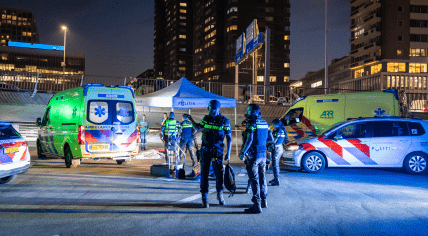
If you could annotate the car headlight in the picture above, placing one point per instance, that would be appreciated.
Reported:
(293, 147)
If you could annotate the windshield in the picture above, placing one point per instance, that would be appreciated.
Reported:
(8, 132)
(108, 112)
(330, 129)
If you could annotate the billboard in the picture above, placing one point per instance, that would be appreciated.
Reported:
(239, 48)
(35, 46)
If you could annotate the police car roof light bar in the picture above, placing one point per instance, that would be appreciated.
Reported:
(88, 85)
(127, 87)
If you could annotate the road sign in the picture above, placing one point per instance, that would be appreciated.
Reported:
(251, 33)
(239, 48)
(35, 46)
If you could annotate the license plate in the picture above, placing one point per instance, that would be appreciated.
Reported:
(99, 147)
(11, 150)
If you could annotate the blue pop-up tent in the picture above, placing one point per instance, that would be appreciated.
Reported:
(183, 95)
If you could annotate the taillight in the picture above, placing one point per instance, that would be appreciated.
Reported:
(138, 136)
(81, 134)
(24, 144)
(424, 108)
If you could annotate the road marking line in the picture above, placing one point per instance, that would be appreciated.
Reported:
(194, 197)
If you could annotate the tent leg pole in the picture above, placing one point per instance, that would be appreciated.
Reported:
(236, 136)
(189, 112)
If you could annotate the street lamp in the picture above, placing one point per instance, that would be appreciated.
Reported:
(63, 63)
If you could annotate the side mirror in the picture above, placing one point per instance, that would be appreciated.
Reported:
(38, 121)
(338, 137)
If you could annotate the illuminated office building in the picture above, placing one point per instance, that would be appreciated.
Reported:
(17, 25)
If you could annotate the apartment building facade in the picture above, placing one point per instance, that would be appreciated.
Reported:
(389, 43)
(17, 25)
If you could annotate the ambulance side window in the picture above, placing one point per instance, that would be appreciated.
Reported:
(294, 116)
(46, 117)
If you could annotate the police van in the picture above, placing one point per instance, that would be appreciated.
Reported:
(89, 122)
(365, 142)
(310, 115)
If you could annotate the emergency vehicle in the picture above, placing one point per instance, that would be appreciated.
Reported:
(14, 154)
(365, 142)
(309, 115)
(89, 122)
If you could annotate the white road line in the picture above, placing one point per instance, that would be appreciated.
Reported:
(194, 197)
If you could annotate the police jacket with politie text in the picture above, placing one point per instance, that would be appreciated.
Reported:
(214, 130)
(279, 135)
(260, 130)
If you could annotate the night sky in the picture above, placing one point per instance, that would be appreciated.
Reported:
(117, 36)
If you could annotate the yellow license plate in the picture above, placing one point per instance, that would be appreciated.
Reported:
(99, 146)
(11, 150)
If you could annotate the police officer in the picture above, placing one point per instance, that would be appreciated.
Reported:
(144, 129)
(186, 138)
(257, 132)
(169, 132)
(279, 135)
(215, 127)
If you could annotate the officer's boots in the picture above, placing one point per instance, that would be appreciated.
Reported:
(274, 182)
(248, 191)
(264, 203)
(220, 198)
(254, 209)
(204, 201)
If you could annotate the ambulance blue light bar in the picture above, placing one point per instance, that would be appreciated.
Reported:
(127, 87)
(35, 46)
(88, 85)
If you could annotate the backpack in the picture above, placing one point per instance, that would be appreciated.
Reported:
(229, 180)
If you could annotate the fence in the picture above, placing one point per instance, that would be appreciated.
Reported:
(417, 101)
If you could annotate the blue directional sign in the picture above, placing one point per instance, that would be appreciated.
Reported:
(35, 46)
(251, 33)
(239, 48)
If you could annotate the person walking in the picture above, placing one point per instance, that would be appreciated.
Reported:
(169, 133)
(257, 133)
(214, 128)
(279, 135)
(144, 129)
(186, 138)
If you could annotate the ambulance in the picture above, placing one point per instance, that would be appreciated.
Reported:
(310, 115)
(89, 122)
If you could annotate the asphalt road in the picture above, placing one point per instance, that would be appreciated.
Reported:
(103, 198)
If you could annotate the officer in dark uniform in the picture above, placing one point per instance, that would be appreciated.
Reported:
(186, 137)
(215, 127)
(279, 135)
(169, 132)
(257, 132)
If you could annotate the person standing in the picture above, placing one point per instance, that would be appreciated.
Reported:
(215, 127)
(165, 117)
(186, 138)
(279, 135)
(144, 129)
(169, 132)
(257, 133)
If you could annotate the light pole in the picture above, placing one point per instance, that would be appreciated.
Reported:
(63, 63)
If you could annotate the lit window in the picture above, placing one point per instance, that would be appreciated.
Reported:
(316, 84)
(24, 33)
(28, 33)
(182, 4)
(399, 52)
(269, 18)
(376, 69)
(286, 79)
(182, 36)
(272, 79)
(174, 38)
(417, 67)
(181, 62)
(358, 73)
(182, 68)
(182, 11)
(286, 37)
(182, 49)
(286, 65)
(396, 67)
(182, 17)
(260, 78)
(298, 84)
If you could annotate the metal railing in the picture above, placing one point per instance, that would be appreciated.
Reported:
(417, 101)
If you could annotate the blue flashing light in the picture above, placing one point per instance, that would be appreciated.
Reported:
(88, 85)
(127, 87)
(298, 100)
(35, 46)
(393, 91)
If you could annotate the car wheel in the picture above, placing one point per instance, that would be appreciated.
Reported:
(313, 162)
(69, 162)
(416, 163)
(120, 162)
(7, 179)
(39, 150)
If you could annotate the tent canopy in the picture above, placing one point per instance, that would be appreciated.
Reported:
(183, 95)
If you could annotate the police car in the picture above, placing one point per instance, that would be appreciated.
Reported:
(14, 153)
(364, 142)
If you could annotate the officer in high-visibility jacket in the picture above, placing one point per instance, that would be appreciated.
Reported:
(186, 137)
(169, 132)
(279, 135)
(257, 133)
(215, 128)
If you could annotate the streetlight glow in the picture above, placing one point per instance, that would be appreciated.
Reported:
(65, 33)
(64, 28)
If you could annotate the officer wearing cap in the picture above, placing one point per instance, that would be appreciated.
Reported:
(279, 135)
(169, 132)
(186, 137)
(257, 133)
(215, 127)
